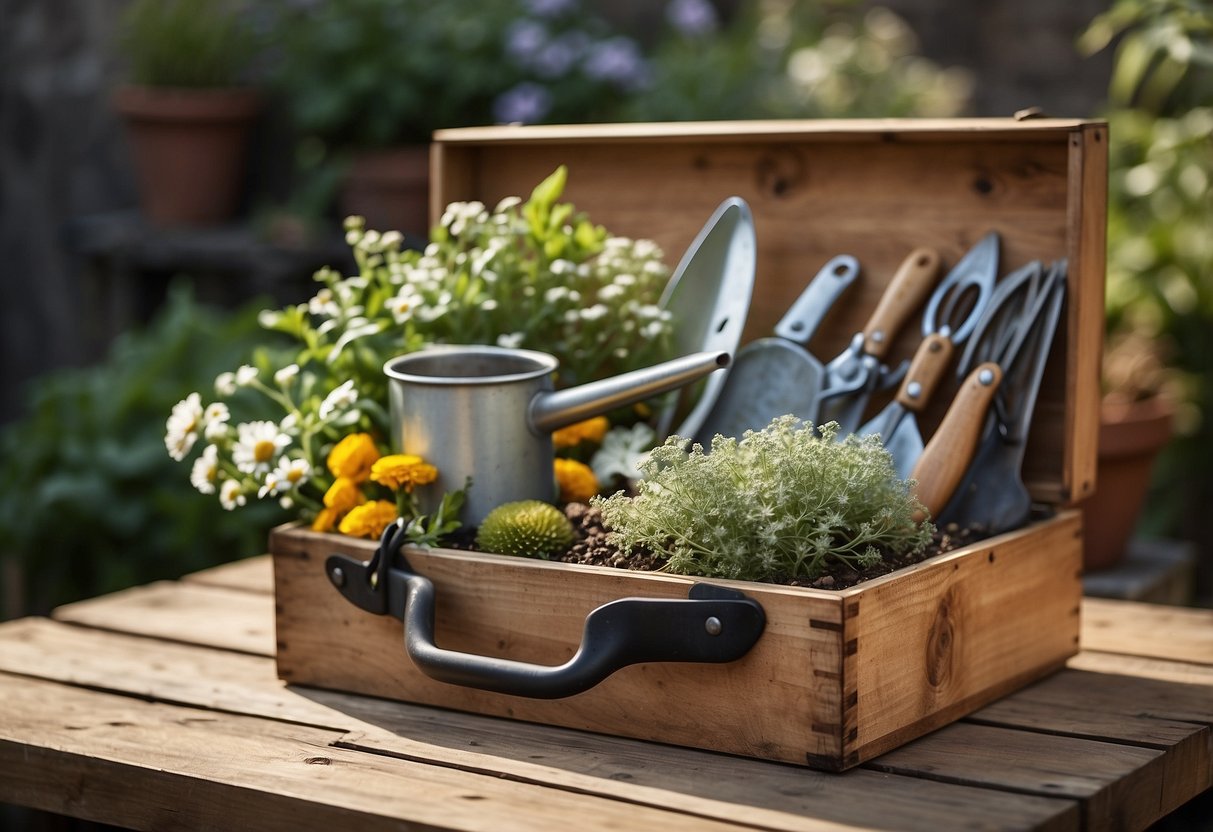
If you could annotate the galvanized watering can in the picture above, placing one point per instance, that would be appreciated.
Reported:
(488, 413)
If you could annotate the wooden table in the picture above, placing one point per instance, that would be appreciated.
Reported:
(159, 708)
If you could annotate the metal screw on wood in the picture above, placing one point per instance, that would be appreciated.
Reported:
(337, 576)
(713, 626)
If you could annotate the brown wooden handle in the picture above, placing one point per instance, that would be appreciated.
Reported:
(946, 457)
(905, 293)
(928, 367)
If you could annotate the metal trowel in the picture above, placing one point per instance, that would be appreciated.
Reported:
(776, 376)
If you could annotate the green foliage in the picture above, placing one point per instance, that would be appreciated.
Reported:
(527, 528)
(89, 501)
(795, 60)
(786, 501)
(371, 73)
(186, 43)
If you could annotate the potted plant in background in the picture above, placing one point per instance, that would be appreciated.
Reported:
(187, 111)
(1159, 357)
(366, 83)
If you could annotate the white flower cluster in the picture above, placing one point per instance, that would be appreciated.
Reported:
(261, 458)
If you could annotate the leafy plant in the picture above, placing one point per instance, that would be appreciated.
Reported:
(186, 43)
(786, 501)
(89, 503)
(528, 274)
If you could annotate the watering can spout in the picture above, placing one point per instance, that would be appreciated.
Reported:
(551, 410)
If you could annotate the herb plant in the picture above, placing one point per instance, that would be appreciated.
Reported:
(784, 502)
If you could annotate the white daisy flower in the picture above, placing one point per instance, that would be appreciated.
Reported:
(205, 472)
(286, 375)
(510, 340)
(214, 420)
(246, 375)
(340, 398)
(289, 474)
(181, 428)
(258, 445)
(231, 496)
(324, 303)
(225, 384)
(595, 312)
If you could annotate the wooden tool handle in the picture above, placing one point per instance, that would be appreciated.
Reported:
(905, 293)
(928, 367)
(946, 457)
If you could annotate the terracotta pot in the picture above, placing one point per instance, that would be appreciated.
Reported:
(1131, 434)
(190, 149)
(390, 188)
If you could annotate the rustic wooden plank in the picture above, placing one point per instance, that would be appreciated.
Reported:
(702, 783)
(254, 574)
(152, 766)
(1148, 630)
(186, 612)
(1121, 786)
(1146, 668)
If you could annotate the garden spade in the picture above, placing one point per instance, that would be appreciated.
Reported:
(709, 298)
(776, 376)
(947, 456)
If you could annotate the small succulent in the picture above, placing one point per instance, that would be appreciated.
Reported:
(526, 528)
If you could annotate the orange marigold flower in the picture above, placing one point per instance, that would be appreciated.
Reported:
(343, 495)
(592, 429)
(577, 481)
(353, 457)
(368, 519)
(326, 518)
(405, 471)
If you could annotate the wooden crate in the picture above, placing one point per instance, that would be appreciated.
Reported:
(837, 677)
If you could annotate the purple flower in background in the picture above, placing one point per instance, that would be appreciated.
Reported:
(619, 61)
(524, 38)
(691, 18)
(550, 8)
(555, 58)
(524, 103)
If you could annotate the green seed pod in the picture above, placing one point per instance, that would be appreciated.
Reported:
(527, 528)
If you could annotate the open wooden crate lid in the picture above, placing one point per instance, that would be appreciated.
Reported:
(872, 188)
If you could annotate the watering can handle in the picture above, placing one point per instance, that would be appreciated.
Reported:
(714, 624)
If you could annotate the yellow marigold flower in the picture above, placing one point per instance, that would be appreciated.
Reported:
(325, 520)
(353, 457)
(368, 519)
(398, 471)
(592, 429)
(343, 495)
(576, 479)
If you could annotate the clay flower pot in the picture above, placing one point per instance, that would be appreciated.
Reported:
(1131, 434)
(190, 148)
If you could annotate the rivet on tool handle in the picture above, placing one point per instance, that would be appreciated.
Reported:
(930, 364)
(910, 286)
(948, 454)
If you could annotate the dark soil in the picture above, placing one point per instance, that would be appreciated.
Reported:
(591, 547)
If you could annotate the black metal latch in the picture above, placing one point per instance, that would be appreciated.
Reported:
(713, 624)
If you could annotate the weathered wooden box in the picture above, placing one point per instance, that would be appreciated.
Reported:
(837, 677)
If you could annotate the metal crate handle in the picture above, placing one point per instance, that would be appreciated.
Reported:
(713, 624)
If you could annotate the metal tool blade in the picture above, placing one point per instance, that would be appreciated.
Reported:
(709, 299)
(776, 376)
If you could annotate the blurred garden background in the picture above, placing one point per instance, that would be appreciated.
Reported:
(110, 317)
